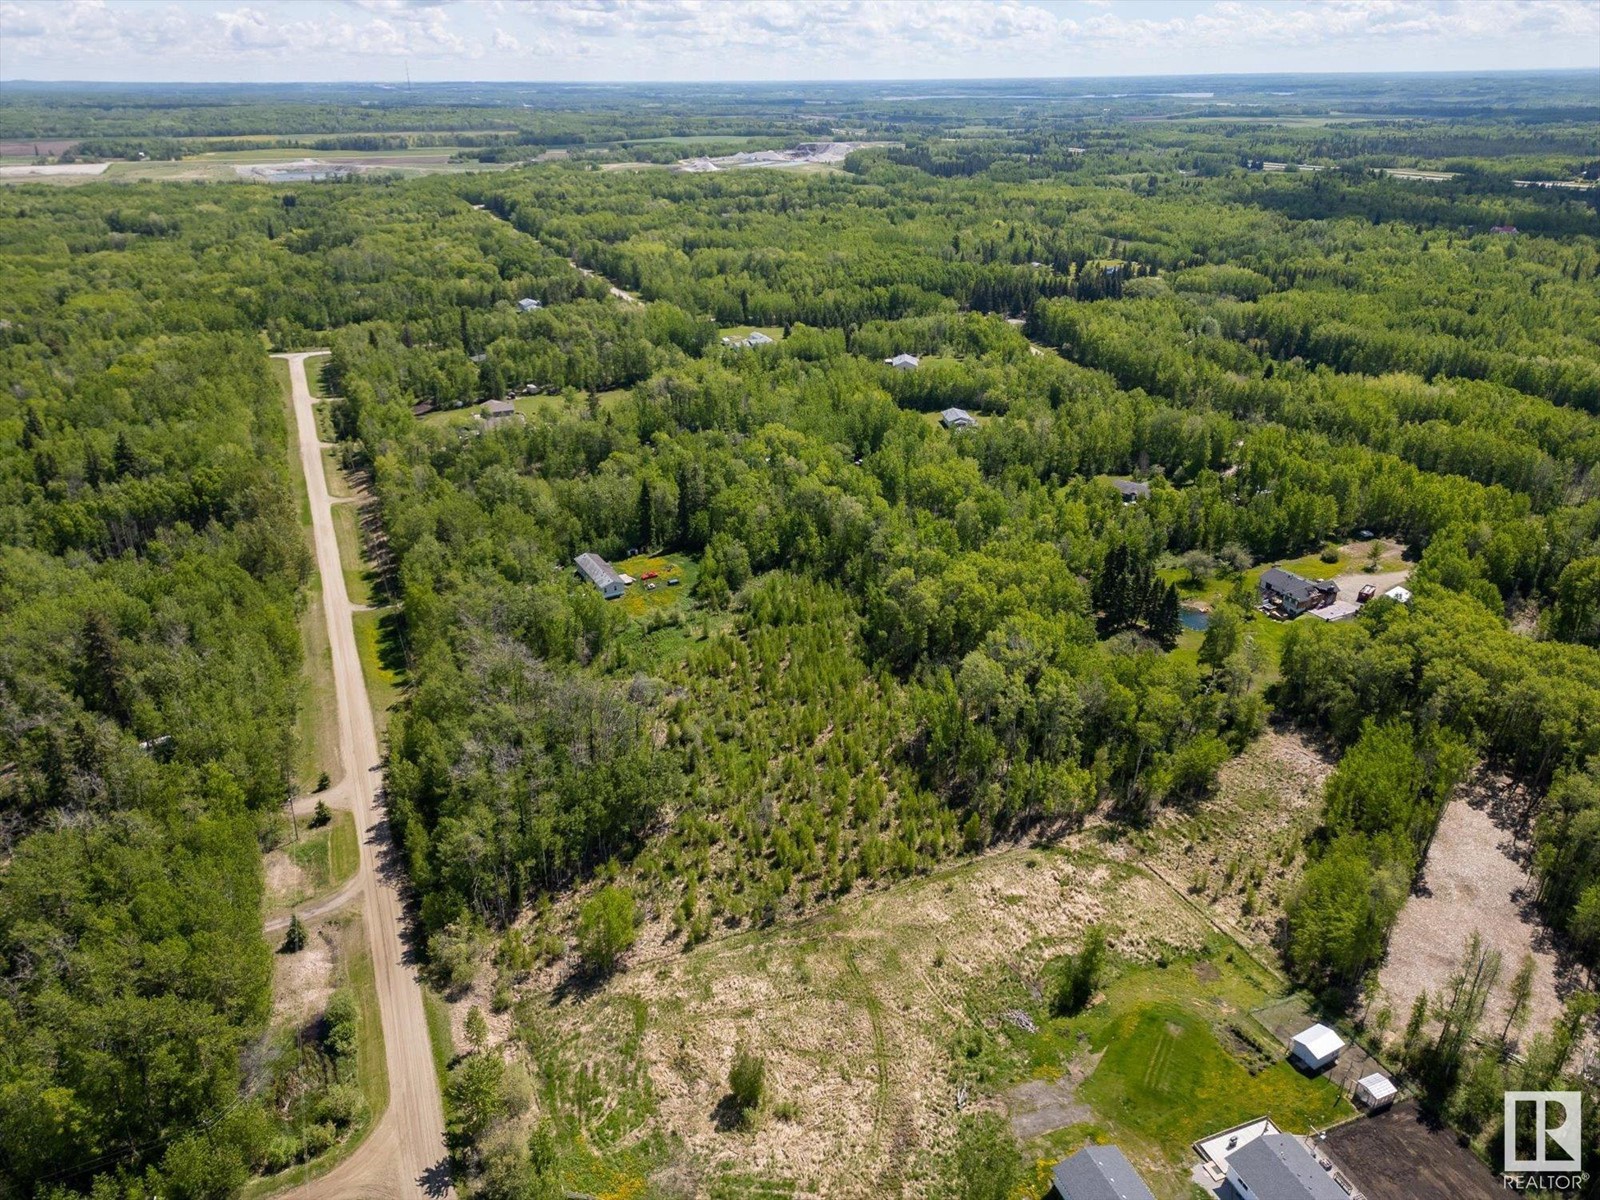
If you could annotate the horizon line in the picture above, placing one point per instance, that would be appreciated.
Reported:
(414, 83)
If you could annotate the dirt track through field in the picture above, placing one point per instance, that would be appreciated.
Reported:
(404, 1156)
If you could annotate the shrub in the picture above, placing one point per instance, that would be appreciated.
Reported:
(323, 782)
(343, 1022)
(747, 1081)
(605, 929)
(1082, 974)
(294, 940)
(340, 1105)
(322, 814)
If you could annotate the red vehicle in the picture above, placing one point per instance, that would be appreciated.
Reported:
(651, 575)
(1367, 592)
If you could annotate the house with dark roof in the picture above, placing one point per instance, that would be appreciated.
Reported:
(1097, 1173)
(1288, 593)
(1131, 492)
(1277, 1166)
(602, 574)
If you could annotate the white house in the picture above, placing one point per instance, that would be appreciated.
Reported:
(1403, 595)
(1375, 1091)
(1277, 1166)
(599, 572)
(904, 362)
(1316, 1048)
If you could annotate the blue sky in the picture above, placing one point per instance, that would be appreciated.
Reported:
(629, 40)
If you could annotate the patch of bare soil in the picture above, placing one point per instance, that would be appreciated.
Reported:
(302, 982)
(285, 880)
(856, 1012)
(1042, 1106)
(1240, 853)
(1476, 878)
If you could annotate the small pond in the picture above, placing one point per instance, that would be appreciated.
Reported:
(1194, 618)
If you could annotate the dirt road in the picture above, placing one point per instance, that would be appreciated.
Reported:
(404, 1156)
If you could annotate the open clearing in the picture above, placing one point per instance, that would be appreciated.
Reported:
(1476, 878)
(37, 170)
(885, 1014)
(1240, 853)
(319, 861)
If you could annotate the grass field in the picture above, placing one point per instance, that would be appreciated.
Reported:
(347, 529)
(639, 601)
(316, 369)
(775, 332)
(440, 1041)
(382, 660)
(877, 1012)
(326, 858)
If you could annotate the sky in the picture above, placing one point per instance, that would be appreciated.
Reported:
(702, 40)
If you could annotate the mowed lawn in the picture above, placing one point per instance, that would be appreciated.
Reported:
(1165, 1076)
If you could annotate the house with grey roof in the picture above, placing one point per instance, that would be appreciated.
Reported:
(1292, 595)
(1097, 1173)
(602, 574)
(1277, 1166)
(957, 418)
(529, 304)
(495, 411)
(757, 338)
(903, 362)
(1131, 491)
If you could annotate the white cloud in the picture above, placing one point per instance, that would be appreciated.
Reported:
(775, 39)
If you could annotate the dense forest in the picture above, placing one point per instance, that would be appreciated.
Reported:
(891, 643)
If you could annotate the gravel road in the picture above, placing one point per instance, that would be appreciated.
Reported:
(404, 1156)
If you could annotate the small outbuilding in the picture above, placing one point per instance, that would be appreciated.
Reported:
(600, 573)
(1316, 1048)
(1339, 610)
(1398, 593)
(904, 362)
(957, 418)
(1375, 1092)
(1097, 1173)
(1131, 491)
